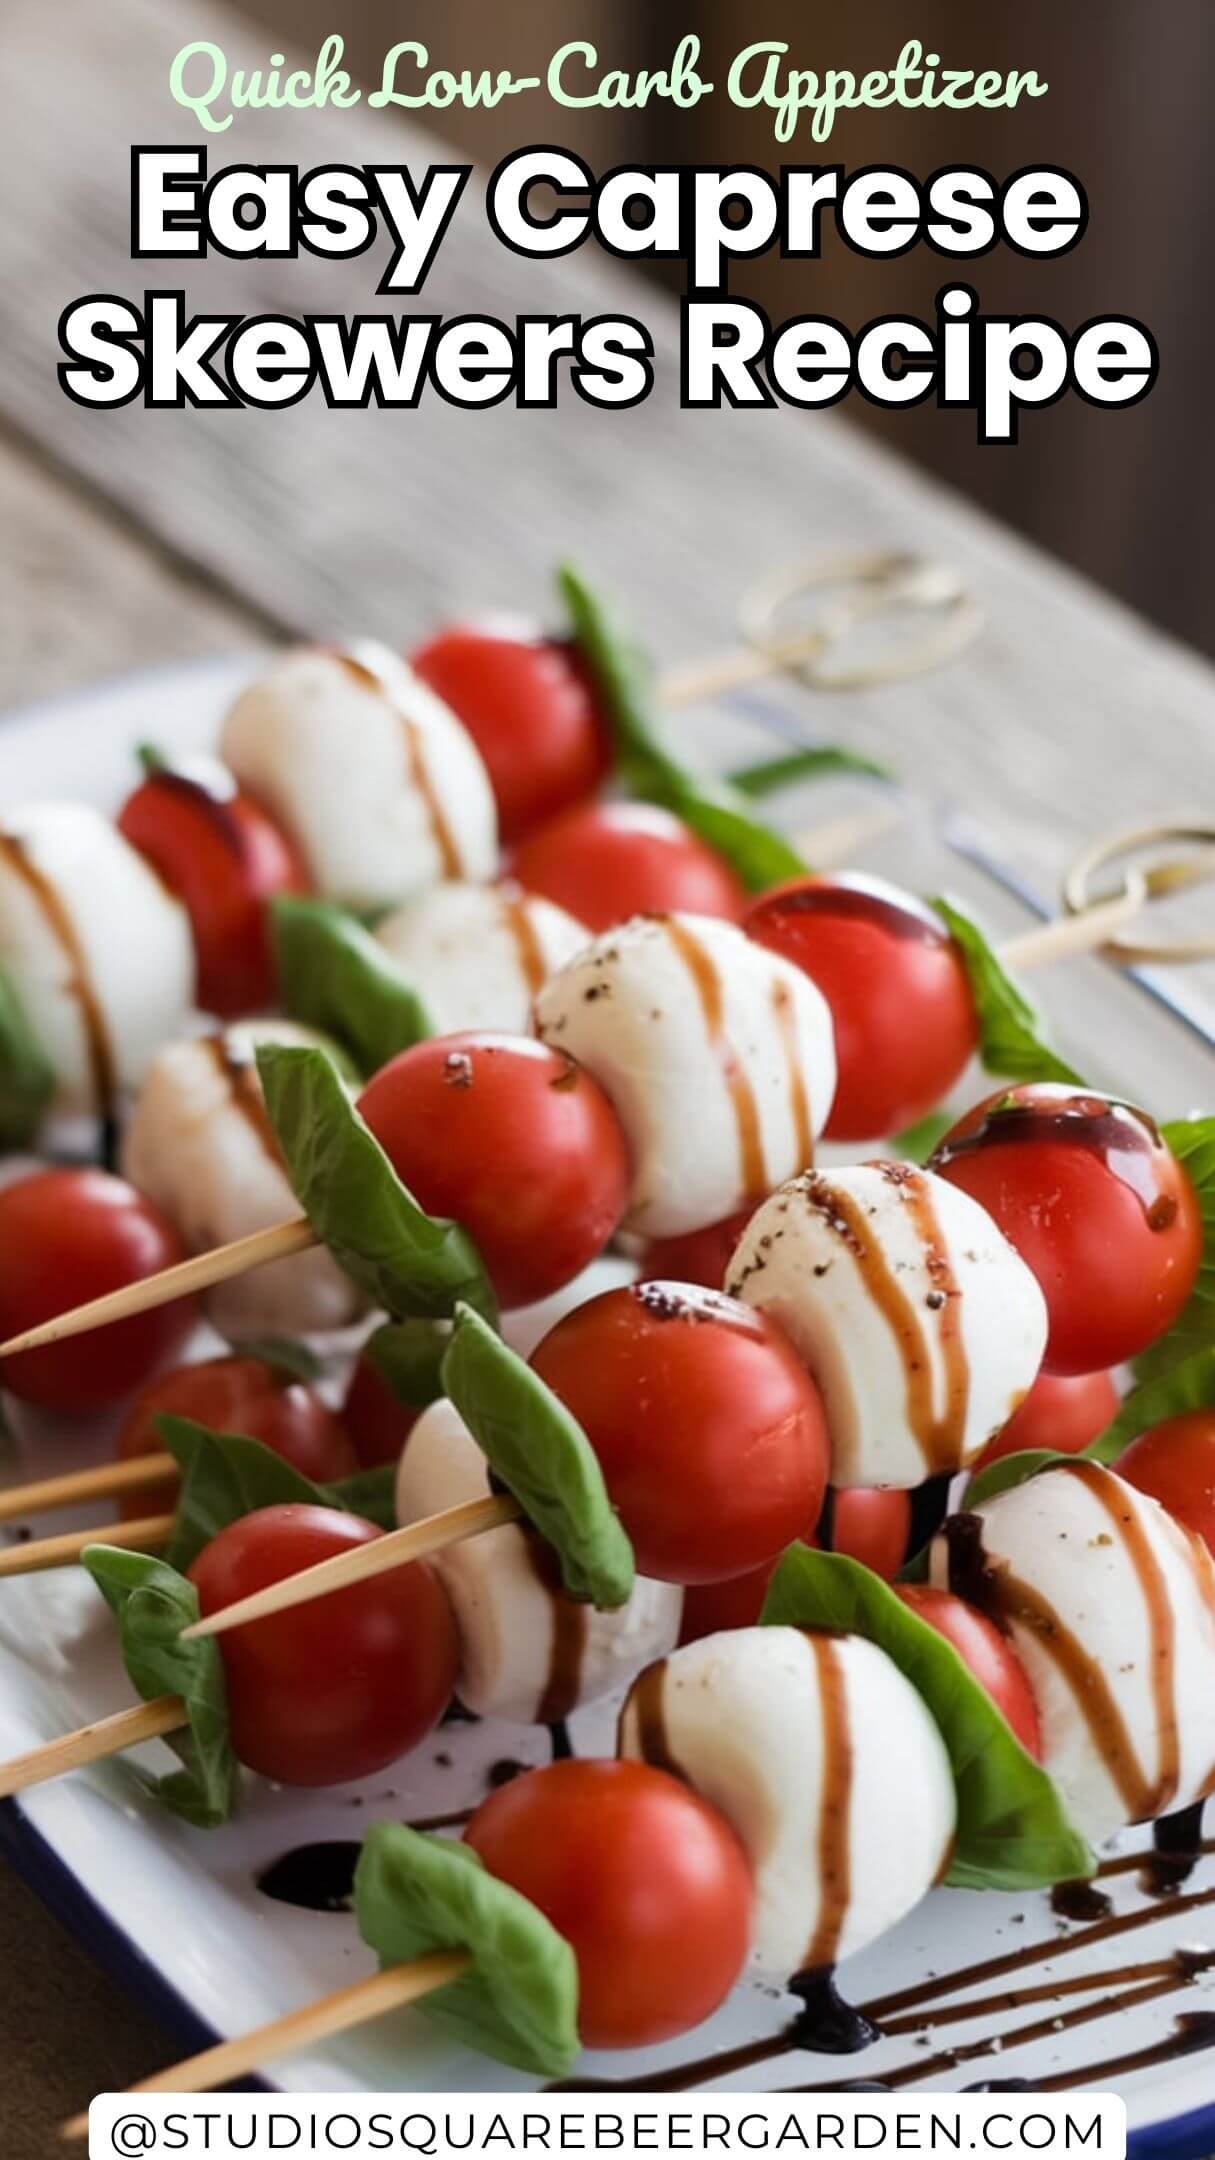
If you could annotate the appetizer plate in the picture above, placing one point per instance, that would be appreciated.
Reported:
(180, 1915)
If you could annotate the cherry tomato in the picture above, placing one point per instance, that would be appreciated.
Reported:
(872, 1527)
(1175, 1463)
(225, 858)
(529, 706)
(1062, 1411)
(238, 1395)
(66, 1237)
(606, 861)
(1086, 1190)
(515, 1142)
(340, 1687)
(980, 1645)
(648, 1884)
(699, 1256)
(377, 1423)
(900, 999)
(710, 1434)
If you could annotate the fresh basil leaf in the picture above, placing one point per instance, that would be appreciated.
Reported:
(1009, 1471)
(713, 809)
(541, 1454)
(408, 1356)
(1011, 1043)
(369, 1493)
(27, 1077)
(1012, 1831)
(918, 1142)
(1192, 1141)
(414, 1894)
(152, 759)
(334, 976)
(408, 1262)
(152, 1603)
(770, 775)
(296, 1360)
(225, 1476)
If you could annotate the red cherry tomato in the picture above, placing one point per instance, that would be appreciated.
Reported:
(1097, 1206)
(699, 1256)
(528, 704)
(377, 1423)
(1062, 1411)
(238, 1395)
(225, 858)
(340, 1687)
(515, 1142)
(710, 1434)
(1175, 1463)
(648, 1884)
(980, 1645)
(872, 1527)
(607, 861)
(904, 1017)
(66, 1237)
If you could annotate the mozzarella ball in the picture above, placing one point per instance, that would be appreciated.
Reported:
(921, 1325)
(718, 1058)
(827, 1764)
(478, 954)
(98, 952)
(367, 770)
(201, 1146)
(1110, 1606)
(527, 1651)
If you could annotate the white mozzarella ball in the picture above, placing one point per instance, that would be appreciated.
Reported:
(379, 784)
(717, 1056)
(201, 1146)
(528, 1325)
(829, 1768)
(97, 950)
(479, 954)
(1110, 1605)
(527, 1651)
(921, 1325)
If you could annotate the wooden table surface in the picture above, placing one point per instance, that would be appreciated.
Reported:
(131, 537)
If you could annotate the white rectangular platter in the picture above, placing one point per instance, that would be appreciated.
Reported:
(179, 1911)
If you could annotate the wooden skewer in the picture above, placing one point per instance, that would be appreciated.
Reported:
(1070, 934)
(92, 1743)
(184, 1280)
(101, 1483)
(34, 1558)
(361, 1563)
(336, 2013)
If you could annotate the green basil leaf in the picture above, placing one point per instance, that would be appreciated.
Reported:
(713, 809)
(152, 1603)
(541, 1454)
(1012, 1831)
(1193, 1143)
(770, 775)
(414, 1894)
(1009, 1471)
(27, 1077)
(296, 1360)
(408, 1356)
(225, 1476)
(919, 1141)
(1011, 1044)
(408, 1262)
(334, 976)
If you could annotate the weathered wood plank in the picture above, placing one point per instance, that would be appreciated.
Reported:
(1069, 715)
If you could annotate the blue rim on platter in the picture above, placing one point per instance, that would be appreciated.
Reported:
(1190, 2136)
